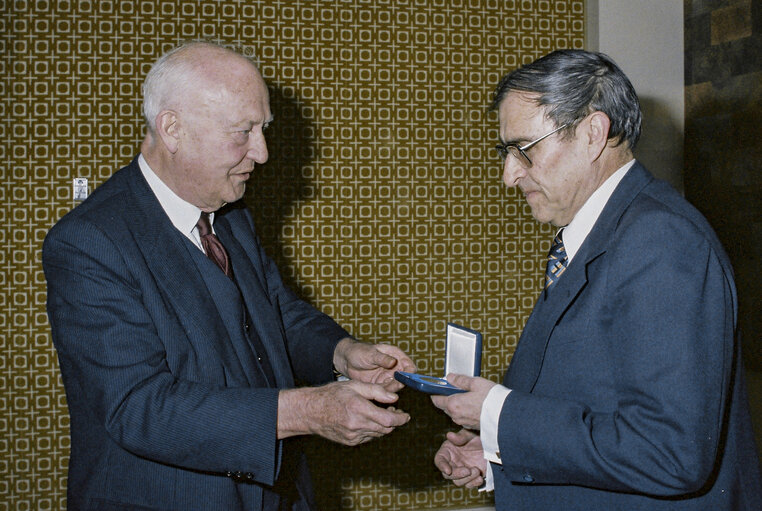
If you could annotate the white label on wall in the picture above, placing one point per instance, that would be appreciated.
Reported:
(79, 191)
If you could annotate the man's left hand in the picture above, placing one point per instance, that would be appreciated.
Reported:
(461, 459)
(372, 363)
(465, 408)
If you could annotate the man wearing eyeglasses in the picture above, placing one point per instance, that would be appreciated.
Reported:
(626, 390)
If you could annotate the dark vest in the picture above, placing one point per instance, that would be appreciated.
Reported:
(230, 305)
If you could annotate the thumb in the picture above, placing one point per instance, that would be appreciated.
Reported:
(381, 359)
(459, 438)
(460, 380)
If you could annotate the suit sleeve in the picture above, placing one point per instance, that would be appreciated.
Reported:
(114, 360)
(664, 325)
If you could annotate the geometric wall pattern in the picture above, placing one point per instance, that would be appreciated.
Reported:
(382, 201)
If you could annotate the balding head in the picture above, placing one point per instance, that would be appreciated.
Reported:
(206, 108)
(186, 71)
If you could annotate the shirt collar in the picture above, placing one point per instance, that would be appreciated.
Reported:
(181, 213)
(583, 222)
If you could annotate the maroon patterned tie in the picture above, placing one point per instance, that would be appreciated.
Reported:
(212, 246)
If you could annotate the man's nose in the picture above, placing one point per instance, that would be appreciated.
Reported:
(257, 147)
(513, 171)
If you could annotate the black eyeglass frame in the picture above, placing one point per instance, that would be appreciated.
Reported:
(520, 151)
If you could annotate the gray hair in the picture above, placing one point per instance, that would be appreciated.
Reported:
(172, 75)
(167, 77)
(574, 83)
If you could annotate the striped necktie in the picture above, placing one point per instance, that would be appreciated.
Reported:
(557, 261)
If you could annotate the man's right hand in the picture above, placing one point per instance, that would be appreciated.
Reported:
(342, 412)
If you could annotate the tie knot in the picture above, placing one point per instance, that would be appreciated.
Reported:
(557, 250)
(212, 245)
(203, 225)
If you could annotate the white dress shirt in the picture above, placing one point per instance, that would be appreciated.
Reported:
(182, 214)
(573, 236)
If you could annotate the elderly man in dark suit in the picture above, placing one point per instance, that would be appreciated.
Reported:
(626, 390)
(178, 342)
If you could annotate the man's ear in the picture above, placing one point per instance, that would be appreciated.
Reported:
(597, 134)
(168, 130)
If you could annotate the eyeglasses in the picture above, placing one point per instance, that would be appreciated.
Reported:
(519, 152)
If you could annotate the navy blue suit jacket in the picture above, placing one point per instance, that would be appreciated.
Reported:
(166, 399)
(628, 392)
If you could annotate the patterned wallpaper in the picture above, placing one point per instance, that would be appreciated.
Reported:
(382, 200)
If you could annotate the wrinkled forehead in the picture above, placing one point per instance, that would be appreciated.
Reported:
(520, 113)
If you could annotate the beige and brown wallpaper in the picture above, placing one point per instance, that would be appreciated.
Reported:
(382, 200)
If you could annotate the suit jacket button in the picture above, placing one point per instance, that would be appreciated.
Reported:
(528, 478)
(249, 476)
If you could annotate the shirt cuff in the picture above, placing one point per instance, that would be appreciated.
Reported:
(489, 480)
(488, 421)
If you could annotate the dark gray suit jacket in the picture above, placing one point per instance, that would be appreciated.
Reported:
(166, 399)
(628, 391)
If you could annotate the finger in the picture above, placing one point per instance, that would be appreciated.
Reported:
(367, 433)
(388, 420)
(476, 482)
(356, 438)
(374, 392)
(403, 362)
(439, 401)
(463, 482)
(379, 419)
(408, 365)
(461, 437)
(463, 473)
(392, 385)
(440, 461)
(466, 477)
(381, 359)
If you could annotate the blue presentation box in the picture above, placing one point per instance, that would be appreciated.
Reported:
(463, 355)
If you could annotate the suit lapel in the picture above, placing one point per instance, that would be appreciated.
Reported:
(168, 259)
(527, 360)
